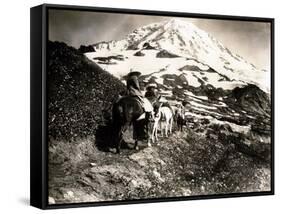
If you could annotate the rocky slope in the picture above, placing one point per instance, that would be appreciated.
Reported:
(185, 164)
(80, 93)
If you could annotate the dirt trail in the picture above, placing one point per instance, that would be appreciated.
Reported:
(183, 164)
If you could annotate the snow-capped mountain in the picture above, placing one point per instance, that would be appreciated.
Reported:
(176, 47)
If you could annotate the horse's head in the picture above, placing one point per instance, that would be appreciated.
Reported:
(149, 116)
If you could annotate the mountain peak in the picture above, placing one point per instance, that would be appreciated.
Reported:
(178, 23)
(185, 40)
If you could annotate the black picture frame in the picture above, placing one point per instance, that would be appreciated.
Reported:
(39, 96)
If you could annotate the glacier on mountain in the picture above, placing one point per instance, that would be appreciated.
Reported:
(193, 46)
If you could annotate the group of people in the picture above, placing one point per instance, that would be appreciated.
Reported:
(151, 94)
(133, 87)
(151, 103)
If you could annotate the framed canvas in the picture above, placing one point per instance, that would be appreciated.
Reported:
(133, 106)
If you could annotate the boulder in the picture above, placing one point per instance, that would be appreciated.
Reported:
(165, 54)
(139, 53)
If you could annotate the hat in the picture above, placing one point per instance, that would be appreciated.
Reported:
(151, 85)
(132, 73)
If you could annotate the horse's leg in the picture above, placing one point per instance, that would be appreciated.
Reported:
(180, 129)
(171, 124)
(120, 137)
(152, 134)
(166, 128)
(116, 135)
(155, 129)
(147, 135)
(168, 125)
(118, 140)
(162, 129)
(148, 142)
(136, 134)
(158, 125)
(136, 145)
(148, 131)
(181, 126)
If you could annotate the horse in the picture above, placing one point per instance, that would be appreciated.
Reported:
(180, 118)
(165, 114)
(127, 111)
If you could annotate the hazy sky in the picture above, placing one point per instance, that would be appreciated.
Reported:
(251, 40)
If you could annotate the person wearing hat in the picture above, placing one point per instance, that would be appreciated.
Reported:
(133, 89)
(133, 86)
(151, 92)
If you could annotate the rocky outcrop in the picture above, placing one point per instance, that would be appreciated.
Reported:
(148, 46)
(139, 53)
(165, 54)
(251, 98)
(86, 49)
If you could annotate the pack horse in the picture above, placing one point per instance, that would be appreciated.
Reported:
(163, 121)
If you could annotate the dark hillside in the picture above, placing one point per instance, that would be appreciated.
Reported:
(80, 93)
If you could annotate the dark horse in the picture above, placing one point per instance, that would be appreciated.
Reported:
(180, 118)
(126, 112)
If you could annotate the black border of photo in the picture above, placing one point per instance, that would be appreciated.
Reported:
(38, 104)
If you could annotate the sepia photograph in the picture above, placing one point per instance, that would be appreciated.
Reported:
(147, 107)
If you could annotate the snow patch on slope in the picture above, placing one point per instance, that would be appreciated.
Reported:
(187, 41)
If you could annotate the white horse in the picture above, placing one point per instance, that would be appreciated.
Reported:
(164, 115)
